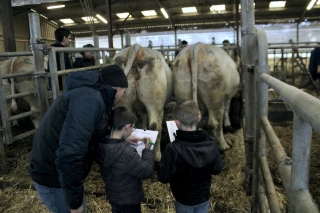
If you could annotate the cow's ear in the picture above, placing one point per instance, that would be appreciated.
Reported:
(146, 61)
(120, 60)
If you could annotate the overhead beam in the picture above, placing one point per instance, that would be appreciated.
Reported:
(32, 2)
(166, 11)
(7, 26)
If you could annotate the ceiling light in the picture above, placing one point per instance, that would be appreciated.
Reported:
(67, 21)
(310, 5)
(54, 22)
(43, 16)
(219, 7)
(89, 19)
(254, 6)
(189, 9)
(318, 2)
(165, 14)
(149, 13)
(277, 4)
(102, 19)
(55, 7)
(123, 15)
(33, 10)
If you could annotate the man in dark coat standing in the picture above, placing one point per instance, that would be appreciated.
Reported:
(314, 65)
(64, 144)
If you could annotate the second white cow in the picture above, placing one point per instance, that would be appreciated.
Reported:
(208, 75)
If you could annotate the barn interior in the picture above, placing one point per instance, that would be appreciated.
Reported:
(293, 31)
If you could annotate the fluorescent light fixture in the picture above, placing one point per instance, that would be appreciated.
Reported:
(277, 4)
(254, 6)
(56, 7)
(219, 7)
(149, 13)
(102, 19)
(54, 22)
(123, 15)
(67, 21)
(164, 12)
(310, 5)
(88, 19)
(189, 9)
(43, 16)
(33, 10)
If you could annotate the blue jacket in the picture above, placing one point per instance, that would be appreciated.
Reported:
(314, 60)
(64, 144)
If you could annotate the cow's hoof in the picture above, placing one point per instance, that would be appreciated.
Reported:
(224, 147)
(228, 129)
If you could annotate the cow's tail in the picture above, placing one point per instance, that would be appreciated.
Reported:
(131, 58)
(14, 105)
(194, 71)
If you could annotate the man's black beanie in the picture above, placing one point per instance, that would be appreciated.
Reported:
(114, 76)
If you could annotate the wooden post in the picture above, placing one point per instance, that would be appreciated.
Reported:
(7, 26)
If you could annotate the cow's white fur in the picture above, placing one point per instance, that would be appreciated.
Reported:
(208, 75)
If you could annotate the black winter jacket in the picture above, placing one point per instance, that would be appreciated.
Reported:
(123, 170)
(188, 163)
(83, 62)
(63, 146)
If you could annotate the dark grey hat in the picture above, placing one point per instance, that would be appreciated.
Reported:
(114, 76)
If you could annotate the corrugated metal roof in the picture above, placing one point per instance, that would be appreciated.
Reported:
(294, 10)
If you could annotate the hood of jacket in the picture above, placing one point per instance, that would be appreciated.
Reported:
(195, 147)
(91, 79)
(113, 149)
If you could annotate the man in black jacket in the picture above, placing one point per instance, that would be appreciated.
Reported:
(189, 161)
(63, 37)
(314, 65)
(64, 144)
(121, 167)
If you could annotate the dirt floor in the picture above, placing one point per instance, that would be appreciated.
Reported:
(17, 193)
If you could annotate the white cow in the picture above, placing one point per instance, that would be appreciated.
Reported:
(207, 74)
(20, 84)
(150, 85)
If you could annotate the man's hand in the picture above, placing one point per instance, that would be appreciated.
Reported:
(147, 142)
(79, 210)
(133, 139)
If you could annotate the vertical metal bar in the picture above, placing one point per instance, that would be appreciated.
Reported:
(175, 37)
(261, 195)
(247, 31)
(3, 161)
(53, 72)
(38, 61)
(109, 19)
(301, 146)
(237, 22)
(103, 57)
(62, 67)
(4, 114)
(128, 39)
(96, 45)
(121, 34)
(292, 67)
(7, 26)
(282, 66)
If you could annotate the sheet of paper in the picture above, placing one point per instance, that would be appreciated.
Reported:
(144, 134)
(172, 128)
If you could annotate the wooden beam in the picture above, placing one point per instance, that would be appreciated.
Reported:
(7, 26)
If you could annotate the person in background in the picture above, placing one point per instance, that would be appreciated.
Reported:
(121, 167)
(84, 59)
(314, 64)
(184, 43)
(63, 37)
(109, 58)
(189, 161)
(64, 146)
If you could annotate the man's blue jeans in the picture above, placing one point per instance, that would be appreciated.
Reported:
(199, 208)
(53, 199)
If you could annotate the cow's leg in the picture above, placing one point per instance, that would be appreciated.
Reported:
(226, 119)
(215, 125)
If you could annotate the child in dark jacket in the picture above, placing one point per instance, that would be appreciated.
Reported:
(121, 167)
(189, 161)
